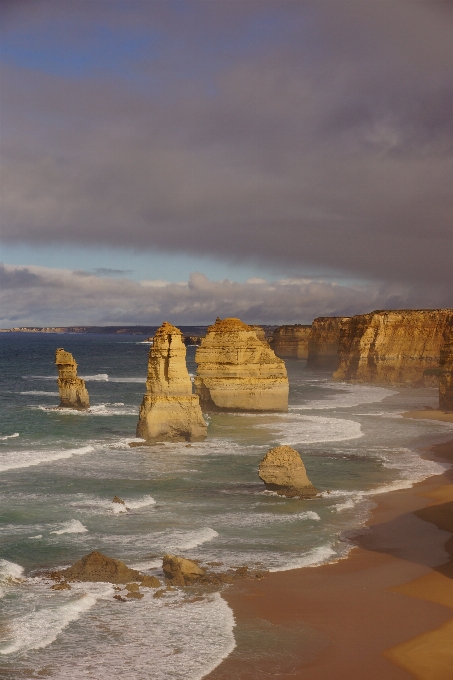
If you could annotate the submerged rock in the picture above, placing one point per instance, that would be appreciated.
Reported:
(180, 571)
(238, 372)
(283, 471)
(169, 411)
(73, 393)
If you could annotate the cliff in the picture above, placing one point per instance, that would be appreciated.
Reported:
(393, 347)
(446, 373)
(236, 371)
(73, 393)
(169, 411)
(283, 471)
(324, 341)
(291, 341)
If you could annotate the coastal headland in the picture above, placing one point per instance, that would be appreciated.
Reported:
(383, 612)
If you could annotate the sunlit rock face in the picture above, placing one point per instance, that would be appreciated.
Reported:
(291, 341)
(73, 393)
(393, 347)
(169, 411)
(324, 341)
(239, 372)
(446, 373)
(283, 471)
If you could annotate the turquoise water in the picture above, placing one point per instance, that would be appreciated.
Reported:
(59, 471)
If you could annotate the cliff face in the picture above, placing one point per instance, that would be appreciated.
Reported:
(169, 411)
(236, 371)
(324, 341)
(291, 341)
(73, 393)
(393, 347)
(446, 374)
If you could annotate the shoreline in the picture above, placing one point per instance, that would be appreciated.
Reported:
(384, 611)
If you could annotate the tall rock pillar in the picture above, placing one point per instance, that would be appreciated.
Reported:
(73, 393)
(239, 372)
(169, 410)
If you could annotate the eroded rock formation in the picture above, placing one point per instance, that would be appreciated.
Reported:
(446, 374)
(291, 341)
(237, 371)
(393, 347)
(73, 393)
(324, 341)
(283, 471)
(169, 411)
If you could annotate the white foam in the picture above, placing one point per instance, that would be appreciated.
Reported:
(185, 540)
(71, 527)
(10, 436)
(107, 409)
(38, 536)
(10, 571)
(14, 460)
(93, 504)
(42, 626)
(298, 429)
(178, 652)
(263, 518)
(313, 558)
(145, 502)
(99, 376)
(41, 393)
(352, 395)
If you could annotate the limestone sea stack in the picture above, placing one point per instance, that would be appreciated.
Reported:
(324, 341)
(283, 471)
(238, 372)
(394, 347)
(446, 374)
(73, 393)
(291, 341)
(169, 411)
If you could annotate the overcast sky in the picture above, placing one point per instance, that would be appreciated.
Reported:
(304, 147)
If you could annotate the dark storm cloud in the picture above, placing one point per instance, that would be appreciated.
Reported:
(295, 133)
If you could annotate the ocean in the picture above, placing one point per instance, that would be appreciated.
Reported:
(59, 471)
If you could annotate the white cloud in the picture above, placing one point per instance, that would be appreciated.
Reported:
(43, 296)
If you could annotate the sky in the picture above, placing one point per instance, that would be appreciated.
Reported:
(180, 160)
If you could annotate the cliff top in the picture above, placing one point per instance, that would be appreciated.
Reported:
(228, 325)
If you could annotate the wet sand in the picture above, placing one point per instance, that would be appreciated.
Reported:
(384, 612)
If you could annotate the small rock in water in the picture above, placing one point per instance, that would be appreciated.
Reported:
(98, 567)
(159, 593)
(180, 571)
(135, 595)
(120, 598)
(133, 587)
(151, 582)
(117, 499)
(283, 471)
(64, 585)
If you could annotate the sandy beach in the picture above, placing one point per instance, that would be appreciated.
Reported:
(384, 612)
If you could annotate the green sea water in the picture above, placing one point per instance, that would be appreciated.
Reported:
(59, 471)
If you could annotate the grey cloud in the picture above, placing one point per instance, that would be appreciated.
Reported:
(328, 144)
(57, 297)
